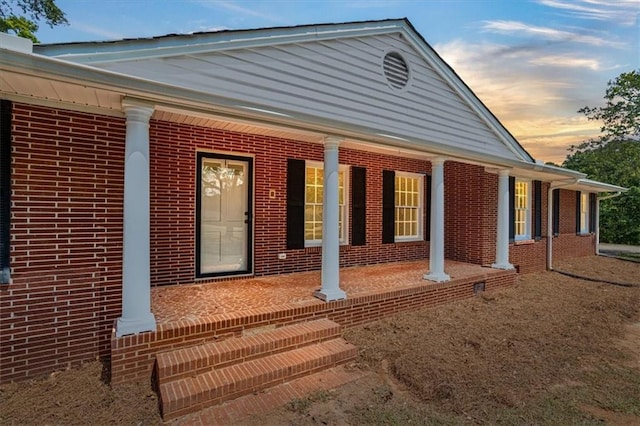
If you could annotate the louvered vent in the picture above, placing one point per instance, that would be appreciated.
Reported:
(396, 70)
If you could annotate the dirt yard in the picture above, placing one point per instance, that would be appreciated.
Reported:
(552, 350)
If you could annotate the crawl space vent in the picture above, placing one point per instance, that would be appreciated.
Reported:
(396, 70)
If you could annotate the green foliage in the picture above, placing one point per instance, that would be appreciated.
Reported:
(615, 158)
(620, 218)
(617, 162)
(20, 25)
(621, 115)
(21, 16)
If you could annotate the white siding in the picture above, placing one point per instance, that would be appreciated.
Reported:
(339, 80)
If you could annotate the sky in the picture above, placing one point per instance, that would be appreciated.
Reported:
(534, 63)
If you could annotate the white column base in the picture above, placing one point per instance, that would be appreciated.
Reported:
(328, 295)
(506, 266)
(126, 326)
(438, 277)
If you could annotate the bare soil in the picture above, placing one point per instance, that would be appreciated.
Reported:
(551, 350)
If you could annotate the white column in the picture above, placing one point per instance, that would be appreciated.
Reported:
(436, 249)
(597, 225)
(502, 234)
(136, 281)
(330, 225)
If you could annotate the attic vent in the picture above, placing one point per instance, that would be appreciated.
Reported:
(395, 70)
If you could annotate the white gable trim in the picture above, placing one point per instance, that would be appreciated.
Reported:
(192, 44)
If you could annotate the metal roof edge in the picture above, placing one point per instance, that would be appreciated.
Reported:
(172, 44)
(600, 186)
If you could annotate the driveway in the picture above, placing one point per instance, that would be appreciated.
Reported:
(617, 248)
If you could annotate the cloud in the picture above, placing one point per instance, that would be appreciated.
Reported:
(521, 28)
(238, 9)
(623, 12)
(534, 96)
(567, 61)
(97, 31)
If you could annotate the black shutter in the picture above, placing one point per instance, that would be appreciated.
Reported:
(593, 202)
(388, 206)
(556, 212)
(512, 208)
(577, 212)
(427, 227)
(358, 206)
(295, 203)
(537, 212)
(5, 190)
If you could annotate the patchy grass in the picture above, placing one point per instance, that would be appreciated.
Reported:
(552, 350)
(302, 405)
(539, 353)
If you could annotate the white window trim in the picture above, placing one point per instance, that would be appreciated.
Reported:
(527, 216)
(344, 238)
(420, 235)
(584, 214)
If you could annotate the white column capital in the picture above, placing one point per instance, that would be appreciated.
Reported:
(136, 110)
(438, 161)
(504, 172)
(332, 142)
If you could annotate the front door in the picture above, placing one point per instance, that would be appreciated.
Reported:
(224, 213)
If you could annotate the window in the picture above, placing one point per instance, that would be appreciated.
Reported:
(402, 206)
(522, 213)
(584, 213)
(408, 192)
(314, 193)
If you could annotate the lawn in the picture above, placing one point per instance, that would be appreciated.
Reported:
(551, 350)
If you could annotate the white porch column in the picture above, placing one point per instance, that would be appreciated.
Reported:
(436, 248)
(330, 225)
(502, 234)
(136, 282)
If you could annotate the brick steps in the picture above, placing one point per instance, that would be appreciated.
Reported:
(192, 379)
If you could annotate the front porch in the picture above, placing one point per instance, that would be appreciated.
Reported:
(188, 315)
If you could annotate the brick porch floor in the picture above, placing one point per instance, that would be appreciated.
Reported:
(195, 301)
(193, 314)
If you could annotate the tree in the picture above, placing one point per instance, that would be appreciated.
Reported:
(621, 115)
(13, 19)
(617, 162)
(614, 157)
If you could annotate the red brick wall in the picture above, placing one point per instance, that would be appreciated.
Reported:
(568, 244)
(173, 166)
(66, 240)
(66, 230)
(470, 213)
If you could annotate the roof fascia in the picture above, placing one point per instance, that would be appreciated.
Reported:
(590, 185)
(123, 50)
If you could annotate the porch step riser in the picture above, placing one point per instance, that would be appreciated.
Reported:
(189, 395)
(189, 362)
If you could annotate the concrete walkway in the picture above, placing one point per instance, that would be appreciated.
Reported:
(618, 248)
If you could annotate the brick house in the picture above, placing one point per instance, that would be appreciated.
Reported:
(133, 165)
